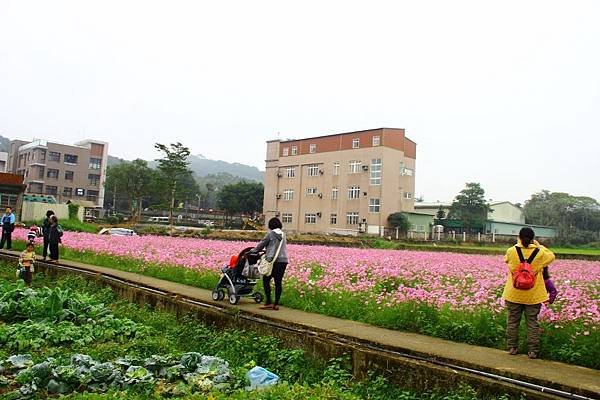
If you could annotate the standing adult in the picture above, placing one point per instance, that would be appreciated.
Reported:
(46, 232)
(521, 300)
(8, 226)
(54, 238)
(275, 244)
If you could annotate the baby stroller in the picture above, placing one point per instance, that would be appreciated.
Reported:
(233, 280)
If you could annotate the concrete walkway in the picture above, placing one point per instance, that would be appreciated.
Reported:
(543, 372)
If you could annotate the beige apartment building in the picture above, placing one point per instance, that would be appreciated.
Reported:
(67, 172)
(344, 183)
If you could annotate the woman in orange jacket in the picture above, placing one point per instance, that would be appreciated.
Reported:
(521, 299)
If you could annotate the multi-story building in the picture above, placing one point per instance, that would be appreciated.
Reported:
(68, 172)
(342, 183)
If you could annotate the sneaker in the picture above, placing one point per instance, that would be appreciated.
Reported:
(532, 355)
(513, 351)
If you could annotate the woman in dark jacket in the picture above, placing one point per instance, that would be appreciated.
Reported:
(54, 238)
(271, 242)
(46, 232)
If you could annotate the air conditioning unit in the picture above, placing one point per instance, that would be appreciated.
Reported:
(278, 196)
(320, 195)
(365, 167)
(321, 172)
(365, 194)
(319, 214)
(279, 174)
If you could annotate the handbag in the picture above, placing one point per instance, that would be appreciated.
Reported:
(265, 267)
(251, 271)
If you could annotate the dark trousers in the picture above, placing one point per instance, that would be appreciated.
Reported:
(27, 277)
(515, 310)
(277, 275)
(53, 247)
(45, 250)
(6, 237)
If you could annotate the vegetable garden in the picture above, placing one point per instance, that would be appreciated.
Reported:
(448, 295)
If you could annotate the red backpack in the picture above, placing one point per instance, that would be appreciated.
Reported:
(523, 277)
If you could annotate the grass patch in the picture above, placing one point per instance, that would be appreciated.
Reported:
(71, 224)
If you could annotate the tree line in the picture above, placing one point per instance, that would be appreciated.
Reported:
(133, 186)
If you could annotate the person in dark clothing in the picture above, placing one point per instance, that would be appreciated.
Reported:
(8, 226)
(275, 243)
(46, 232)
(54, 238)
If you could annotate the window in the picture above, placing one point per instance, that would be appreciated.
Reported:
(335, 193)
(294, 150)
(352, 218)
(421, 228)
(355, 167)
(286, 218)
(353, 192)
(405, 171)
(95, 163)
(336, 168)
(43, 156)
(310, 218)
(36, 188)
(375, 171)
(311, 190)
(71, 159)
(355, 143)
(54, 156)
(93, 180)
(312, 148)
(68, 192)
(285, 151)
(374, 205)
(313, 170)
(288, 194)
(333, 219)
(407, 195)
(41, 172)
(51, 190)
(92, 195)
(8, 200)
(376, 141)
(52, 173)
(80, 192)
(413, 227)
(290, 172)
(69, 175)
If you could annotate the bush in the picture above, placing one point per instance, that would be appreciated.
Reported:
(73, 210)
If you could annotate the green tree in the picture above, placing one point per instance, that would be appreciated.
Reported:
(470, 207)
(133, 181)
(441, 214)
(174, 169)
(576, 218)
(242, 197)
(399, 220)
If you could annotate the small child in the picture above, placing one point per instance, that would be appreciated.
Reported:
(550, 288)
(32, 234)
(26, 260)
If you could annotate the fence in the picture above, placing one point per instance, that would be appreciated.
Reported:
(454, 237)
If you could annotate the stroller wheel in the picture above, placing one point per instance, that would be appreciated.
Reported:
(233, 299)
(218, 295)
(258, 297)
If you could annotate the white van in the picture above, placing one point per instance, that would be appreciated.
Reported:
(159, 219)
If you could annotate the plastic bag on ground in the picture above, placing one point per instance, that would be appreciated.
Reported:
(261, 377)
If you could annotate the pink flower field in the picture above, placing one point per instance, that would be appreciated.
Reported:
(388, 277)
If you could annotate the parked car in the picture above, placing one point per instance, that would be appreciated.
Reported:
(117, 232)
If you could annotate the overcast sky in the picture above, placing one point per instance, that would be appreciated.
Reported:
(503, 93)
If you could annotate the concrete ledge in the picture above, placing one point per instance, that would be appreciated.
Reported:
(413, 360)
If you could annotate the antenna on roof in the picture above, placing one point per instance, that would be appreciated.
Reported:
(277, 135)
